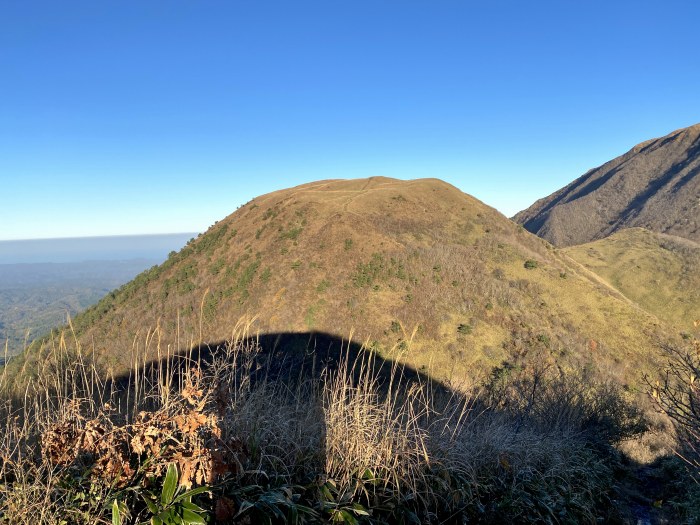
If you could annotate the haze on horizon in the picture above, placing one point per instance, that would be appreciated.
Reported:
(133, 118)
(153, 249)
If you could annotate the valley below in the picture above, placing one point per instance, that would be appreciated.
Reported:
(34, 298)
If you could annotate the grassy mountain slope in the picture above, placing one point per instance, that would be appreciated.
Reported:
(659, 272)
(656, 186)
(376, 259)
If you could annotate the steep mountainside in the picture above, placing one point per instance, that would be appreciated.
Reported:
(656, 186)
(659, 272)
(376, 259)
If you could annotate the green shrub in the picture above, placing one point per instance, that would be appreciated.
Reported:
(464, 329)
(246, 277)
(366, 273)
(266, 274)
(530, 264)
(217, 266)
(211, 303)
(292, 233)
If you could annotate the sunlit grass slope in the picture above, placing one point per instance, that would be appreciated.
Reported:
(659, 272)
(379, 258)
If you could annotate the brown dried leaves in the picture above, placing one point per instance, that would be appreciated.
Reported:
(182, 432)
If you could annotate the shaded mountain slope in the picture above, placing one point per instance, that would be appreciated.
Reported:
(656, 186)
(375, 259)
(659, 272)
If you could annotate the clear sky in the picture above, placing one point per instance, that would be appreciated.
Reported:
(155, 116)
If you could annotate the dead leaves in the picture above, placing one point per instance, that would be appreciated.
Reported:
(58, 443)
(94, 443)
(181, 432)
(191, 421)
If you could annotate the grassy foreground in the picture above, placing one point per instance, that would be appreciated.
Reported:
(357, 442)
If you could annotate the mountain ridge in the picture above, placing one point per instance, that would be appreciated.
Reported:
(655, 185)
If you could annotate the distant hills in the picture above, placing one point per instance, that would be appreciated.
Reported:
(382, 261)
(655, 185)
(42, 281)
(34, 298)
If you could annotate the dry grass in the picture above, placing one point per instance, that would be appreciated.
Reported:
(357, 445)
(659, 272)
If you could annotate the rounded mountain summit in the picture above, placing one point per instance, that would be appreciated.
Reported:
(417, 270)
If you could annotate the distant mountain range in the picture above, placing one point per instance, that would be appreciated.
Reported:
(655, 185)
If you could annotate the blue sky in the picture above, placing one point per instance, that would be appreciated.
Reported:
(124, 117)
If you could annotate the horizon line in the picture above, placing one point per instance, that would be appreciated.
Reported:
(119, 235)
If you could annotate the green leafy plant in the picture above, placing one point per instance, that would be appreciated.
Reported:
(339, 506)
(170, 507)
(258, 504)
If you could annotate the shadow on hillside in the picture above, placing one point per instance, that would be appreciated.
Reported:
(288, 358)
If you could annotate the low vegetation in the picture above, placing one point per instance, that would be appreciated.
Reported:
(228, 440)
(677, 395)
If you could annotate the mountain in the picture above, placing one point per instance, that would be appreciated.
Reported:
(381, 261)
(655, 185)
(659, 272)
